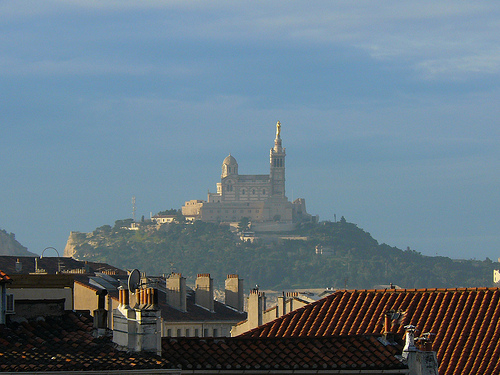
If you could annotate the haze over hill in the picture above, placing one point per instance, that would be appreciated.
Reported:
(333, 254)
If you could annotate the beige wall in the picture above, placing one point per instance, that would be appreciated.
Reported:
(43, 286)
(42, 293)
(87, 299)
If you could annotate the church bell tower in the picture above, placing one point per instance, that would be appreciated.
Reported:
(277, 160)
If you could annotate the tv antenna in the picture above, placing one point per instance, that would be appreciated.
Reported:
(134, 280)
(133, 208)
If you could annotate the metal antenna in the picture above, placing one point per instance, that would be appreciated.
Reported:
(133, 208)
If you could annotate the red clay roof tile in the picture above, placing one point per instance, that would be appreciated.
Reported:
(353, 352)
(465, 321)
(4, 278)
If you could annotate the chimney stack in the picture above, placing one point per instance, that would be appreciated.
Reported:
(204, 291)
(176, 291)
(234, 292)
(419, 362)
(139, 328)
(101, 314)
(256, 306)
(19, 265)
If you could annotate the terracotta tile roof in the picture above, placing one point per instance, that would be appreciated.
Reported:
(466, 322)
(353, 353)
(4, 278)
(65, 343)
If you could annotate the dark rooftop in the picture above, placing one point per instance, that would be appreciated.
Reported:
(65, 343)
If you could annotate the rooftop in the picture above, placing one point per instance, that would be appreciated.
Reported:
(65, 343)
(466, 322)
(363, 352)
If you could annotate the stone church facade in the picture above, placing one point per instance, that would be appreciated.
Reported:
(260, 198)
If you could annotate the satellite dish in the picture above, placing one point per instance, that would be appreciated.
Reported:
(134, 280)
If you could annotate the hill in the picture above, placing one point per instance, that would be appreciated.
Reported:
(350, 256)
(10, 246)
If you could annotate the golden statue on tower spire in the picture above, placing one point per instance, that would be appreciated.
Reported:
(278, 129)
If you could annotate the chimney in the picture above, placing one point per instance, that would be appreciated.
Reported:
(101, 314)
(281, 306)
(138, 329)
(204, 291)
(19, 265)
(419, 362)
(176, 291)
(410, 341)
(256, 306)
(234, 292)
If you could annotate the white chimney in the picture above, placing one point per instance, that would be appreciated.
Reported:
(419, 362)
(234, 292)
(256, 306)
(176, 291)
(139, 328)
(204, 291)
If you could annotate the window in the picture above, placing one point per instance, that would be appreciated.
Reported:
(196, 332)
(215, 332)
(253, 191)
(205, 332)
(179, 333)
(264, 191)
(9, 304)
(169, 332)
(187, 332)
(243, 191)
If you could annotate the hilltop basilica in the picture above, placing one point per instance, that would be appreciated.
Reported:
(260, 198)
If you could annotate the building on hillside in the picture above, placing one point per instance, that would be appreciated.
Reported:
(164, 219)
(464, 323)
(259, 314)
(260, 198)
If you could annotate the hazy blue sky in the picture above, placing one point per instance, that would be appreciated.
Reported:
(389, 111)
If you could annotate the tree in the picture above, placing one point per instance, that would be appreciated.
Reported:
(244, 224)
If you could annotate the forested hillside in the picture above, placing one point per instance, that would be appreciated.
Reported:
(351, 257)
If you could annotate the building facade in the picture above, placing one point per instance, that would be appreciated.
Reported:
(260, 198)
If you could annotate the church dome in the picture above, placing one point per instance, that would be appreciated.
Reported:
(229, 166)
(229, 160)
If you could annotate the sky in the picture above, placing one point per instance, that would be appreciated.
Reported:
(389, 113)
